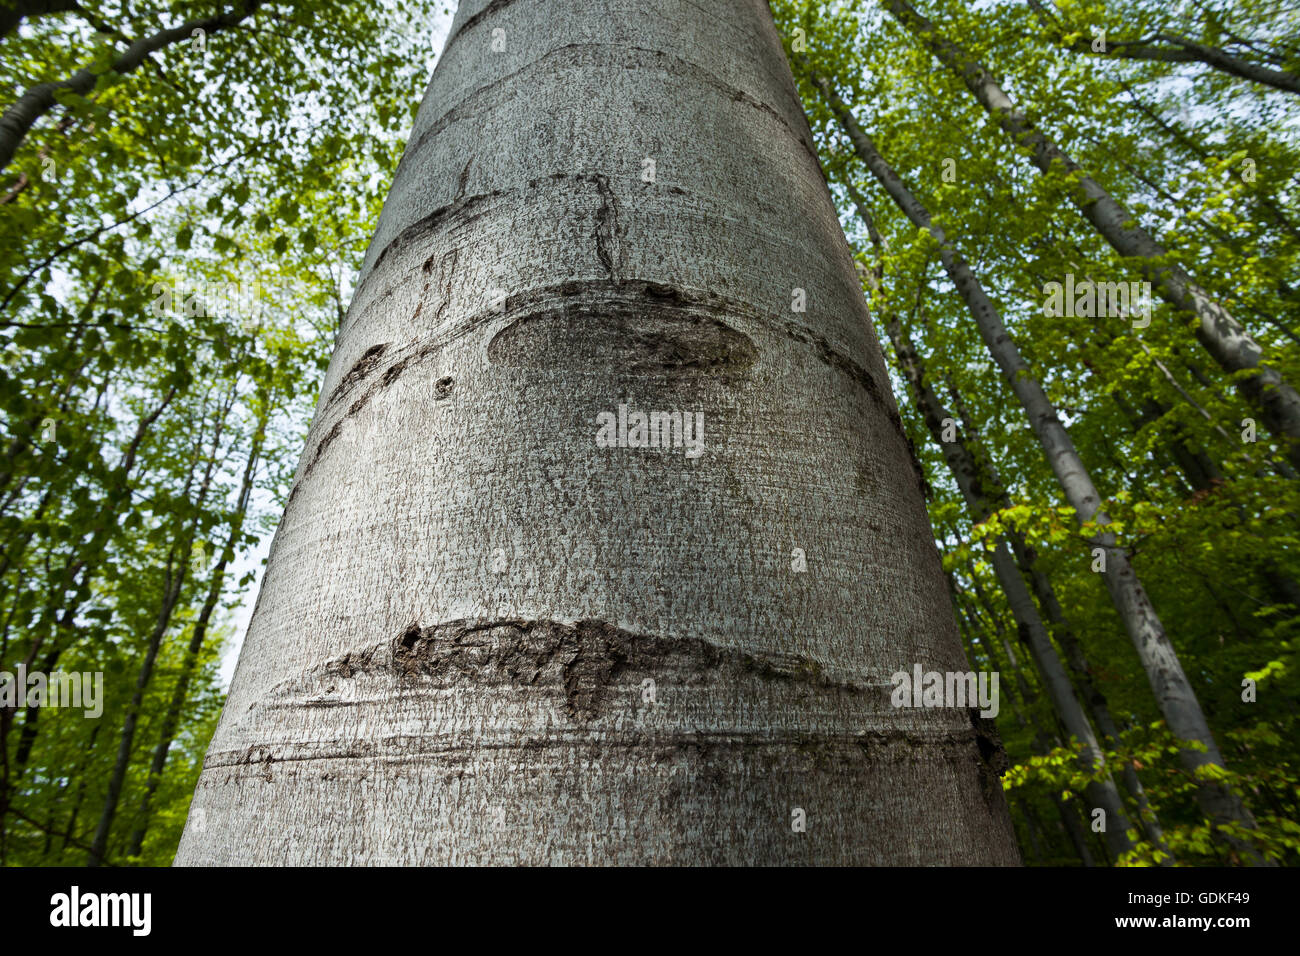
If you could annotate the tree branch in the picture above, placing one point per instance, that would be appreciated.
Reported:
(19, 118)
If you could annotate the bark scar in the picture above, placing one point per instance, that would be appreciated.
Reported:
(363, 367)
(581, 661)
(642, 327)
(609, 231)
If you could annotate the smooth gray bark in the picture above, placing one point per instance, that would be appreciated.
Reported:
(1227, 341)
(1172, 690)
(483, 639)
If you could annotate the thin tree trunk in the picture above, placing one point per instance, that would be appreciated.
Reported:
(1068, 810)
(1059, 626)
(82, 563)
(117, 777)
(1168, 47)
(1266, 202)
(1231, 346)
(1044, 739)
(974, 638)
(173, 586)
(68, 583)
(968, 475)
(1173, 691)
(180, 693)
(594, 214)
(82, 779)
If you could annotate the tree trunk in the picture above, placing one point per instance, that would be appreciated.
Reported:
(1169, 47)
(981, 502)
(174, 576)
(483, 638)
(172, 584)
(1094, 701)
(171, 721)
(1231, 346)
(80, 560)
(1044, 739)
(1172, 690)
(1103, 792)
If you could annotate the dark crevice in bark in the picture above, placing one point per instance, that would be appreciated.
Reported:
(463, 183)
(835, 359)
(703, 76)
(446, 274)
(922, 483)
(874, 747)
(588, 654)
(363, 367)
(455, 211)
(321, 447)
(608, 233)
(580, 659)
(391, 374)
(993, 761)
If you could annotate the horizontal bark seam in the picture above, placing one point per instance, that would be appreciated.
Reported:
(870, 744)
(473, 21)
(692, 70)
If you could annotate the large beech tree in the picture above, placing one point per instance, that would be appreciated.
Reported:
(482, 637)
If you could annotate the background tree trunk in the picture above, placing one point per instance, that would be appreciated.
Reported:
(1169, 682)
(1227, 341)
(981, 496)
(483, 639)
(171, 721)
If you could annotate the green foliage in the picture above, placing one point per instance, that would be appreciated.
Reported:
(176, 250)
